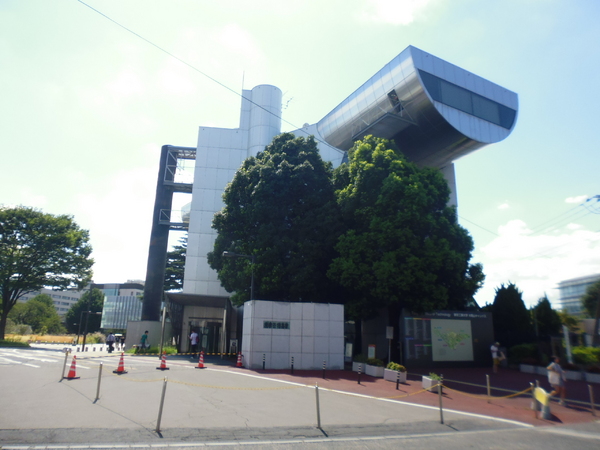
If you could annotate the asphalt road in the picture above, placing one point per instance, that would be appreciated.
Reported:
(216, 406)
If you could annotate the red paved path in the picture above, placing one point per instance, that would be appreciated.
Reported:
(466, 391)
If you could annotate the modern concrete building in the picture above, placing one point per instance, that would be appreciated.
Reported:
(571, 291)
(62, 300)
(435, 111)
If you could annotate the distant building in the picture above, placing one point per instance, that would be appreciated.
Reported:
(122, 302)
(571, 291)
(63, 300)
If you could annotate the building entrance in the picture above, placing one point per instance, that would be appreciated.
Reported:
(209, 334)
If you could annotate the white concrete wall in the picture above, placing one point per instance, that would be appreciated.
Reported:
(219, 153)
(316, 334)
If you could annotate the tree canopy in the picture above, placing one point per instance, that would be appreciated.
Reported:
(546, 320)
(75, 320)
(39, 250)
(175, 268)
(39, 313)
(280, 208)
(512, 320)
(402, 246)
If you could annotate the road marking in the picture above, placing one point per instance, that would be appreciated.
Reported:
(568, 432)
(20, 363)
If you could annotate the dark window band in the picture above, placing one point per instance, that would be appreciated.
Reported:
(464, 100)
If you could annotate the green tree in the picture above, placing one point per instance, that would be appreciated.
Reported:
(545, 319)
(591, 304)
(512, 320)
(74, 317)
(403, 246)
(40, 313)
(39, 250)
(175, 268)
(280, 207)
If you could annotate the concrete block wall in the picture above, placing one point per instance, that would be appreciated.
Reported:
(315, 334)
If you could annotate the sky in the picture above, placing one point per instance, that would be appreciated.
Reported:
(92, 89)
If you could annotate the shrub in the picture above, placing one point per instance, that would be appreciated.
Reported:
(395, 366)
(521, 353)
(435, 376)
(375, 362)
(12, 343)
(593, 369)
(586, 355)
(360, 358)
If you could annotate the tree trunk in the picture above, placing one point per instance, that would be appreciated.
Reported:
(3, 318)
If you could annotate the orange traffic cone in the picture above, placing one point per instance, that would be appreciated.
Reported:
(239, 361)
(72, 371)
(163, 362)
(121, 369)
(201, 361)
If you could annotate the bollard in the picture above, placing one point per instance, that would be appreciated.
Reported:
(318, 406)
(323, 369)
(65, 364)
(263, 361)
(359, 371)
(99, 379)
(397, 380)
(440, 397)
(160, 409)
(592, 400)
(487, 379)
(292, 365)
(534, 405)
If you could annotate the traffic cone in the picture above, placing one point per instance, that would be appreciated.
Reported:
(201, 361)
(239, 361)
(163, 362)
(121, 369)
(72, 371)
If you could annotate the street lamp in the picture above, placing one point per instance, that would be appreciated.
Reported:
(252, 261)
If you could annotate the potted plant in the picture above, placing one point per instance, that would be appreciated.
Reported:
(395, 372)
(431, 380)
(374, 367)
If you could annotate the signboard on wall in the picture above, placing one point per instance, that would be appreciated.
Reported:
(441, 337)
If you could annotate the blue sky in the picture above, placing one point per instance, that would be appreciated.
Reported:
(86, 106)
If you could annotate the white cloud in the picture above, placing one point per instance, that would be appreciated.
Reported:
(395, 12)
(504, 206)
(578, 199)
(537, 263)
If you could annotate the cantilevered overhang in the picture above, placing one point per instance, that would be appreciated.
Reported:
(197, 300)
(435, 111)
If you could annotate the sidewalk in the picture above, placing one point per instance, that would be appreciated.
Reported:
(464, 390)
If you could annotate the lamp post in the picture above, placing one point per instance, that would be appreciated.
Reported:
(252, 259)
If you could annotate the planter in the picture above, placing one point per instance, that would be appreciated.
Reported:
(392, 375)
(541, 371)
(527, 368)
(428, 383)
(573, 375)
(374, 371)
(592, 377)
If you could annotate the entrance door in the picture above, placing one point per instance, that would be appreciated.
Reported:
(209, 334)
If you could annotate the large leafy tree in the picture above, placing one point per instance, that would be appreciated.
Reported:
(403, 247)
(92, 301)
(39, 313)
(512, 320)
(39, 250)
(175, 268)
(279, 208)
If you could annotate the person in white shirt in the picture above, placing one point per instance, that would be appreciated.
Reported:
(497, 355)
(194, 342)
(556, 378)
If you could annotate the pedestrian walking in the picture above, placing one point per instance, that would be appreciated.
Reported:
(194, 343)
(497, 356)
(557, 379)
(144, 341)
(110, 341)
